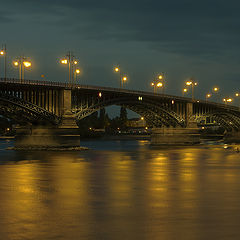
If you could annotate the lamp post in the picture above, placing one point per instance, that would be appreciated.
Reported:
(216, 91)
(118, 70)
(238, 96)
(155, 84)
(158, 83)
(122, 77)
(76, 72)
(22, 62)
(3, 52)
(208, 95)
(184, 91)
(124, 80)
(72, 62)
(193, 84)
(161, 79)
(227, 100)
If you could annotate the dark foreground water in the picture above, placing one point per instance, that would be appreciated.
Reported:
(120, 190)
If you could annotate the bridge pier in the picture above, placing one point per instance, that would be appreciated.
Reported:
(176, 136)
(66, 134)
(46, 137)
(232, 137)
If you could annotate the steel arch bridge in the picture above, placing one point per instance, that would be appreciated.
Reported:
(50, 102)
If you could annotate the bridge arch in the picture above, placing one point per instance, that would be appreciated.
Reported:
(154, 113)
(230, 121)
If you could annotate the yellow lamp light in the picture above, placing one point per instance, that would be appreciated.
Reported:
(64, 61)
(27, 64)
(124, 79)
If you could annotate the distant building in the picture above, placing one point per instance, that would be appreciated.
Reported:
(136, 123)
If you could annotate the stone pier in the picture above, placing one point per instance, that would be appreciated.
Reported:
(42, 136)
(179, 135)
(175, 136)
(232, 137)
(65, 135)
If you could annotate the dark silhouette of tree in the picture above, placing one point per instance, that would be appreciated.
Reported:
(123, 117)
(102, 118)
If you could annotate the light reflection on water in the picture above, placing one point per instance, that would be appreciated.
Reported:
(127, 190)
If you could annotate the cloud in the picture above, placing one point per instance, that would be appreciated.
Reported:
(206, 28)
(5, 17)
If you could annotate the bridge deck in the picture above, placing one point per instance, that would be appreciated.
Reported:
(51, 84)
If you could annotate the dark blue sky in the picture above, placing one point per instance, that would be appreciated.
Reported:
(182, 38)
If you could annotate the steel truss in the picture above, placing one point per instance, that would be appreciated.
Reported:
(155, 113)
(23, 111)
(229, 120)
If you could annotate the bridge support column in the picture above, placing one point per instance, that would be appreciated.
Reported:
(188, 112)
(64, 136)
(232, 137)
(46, 137)
(68, 131)
(175, 136)
(68, 119)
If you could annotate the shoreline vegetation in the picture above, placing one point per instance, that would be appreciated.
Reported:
(48, 148)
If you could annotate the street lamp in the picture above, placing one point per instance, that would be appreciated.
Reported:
(122, 77)
(215, 90)
(158, 82)
(193, 84)
(227, 100)
(76, 72)
(208, 95)
(238, 96)
(117, 70)
(72, 62)
(162, 79)
(3, 53)
(155, 84)
(124, 80)
(184, 91)
(21, 63)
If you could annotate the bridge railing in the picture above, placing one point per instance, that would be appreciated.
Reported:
(36, 82)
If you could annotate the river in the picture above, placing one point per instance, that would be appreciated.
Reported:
(120, 190)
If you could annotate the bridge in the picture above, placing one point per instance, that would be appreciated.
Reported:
(62, 104)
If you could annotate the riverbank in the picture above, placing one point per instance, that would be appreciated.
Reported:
(44, 148)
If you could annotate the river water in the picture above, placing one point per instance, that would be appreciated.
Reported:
(121, 190)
